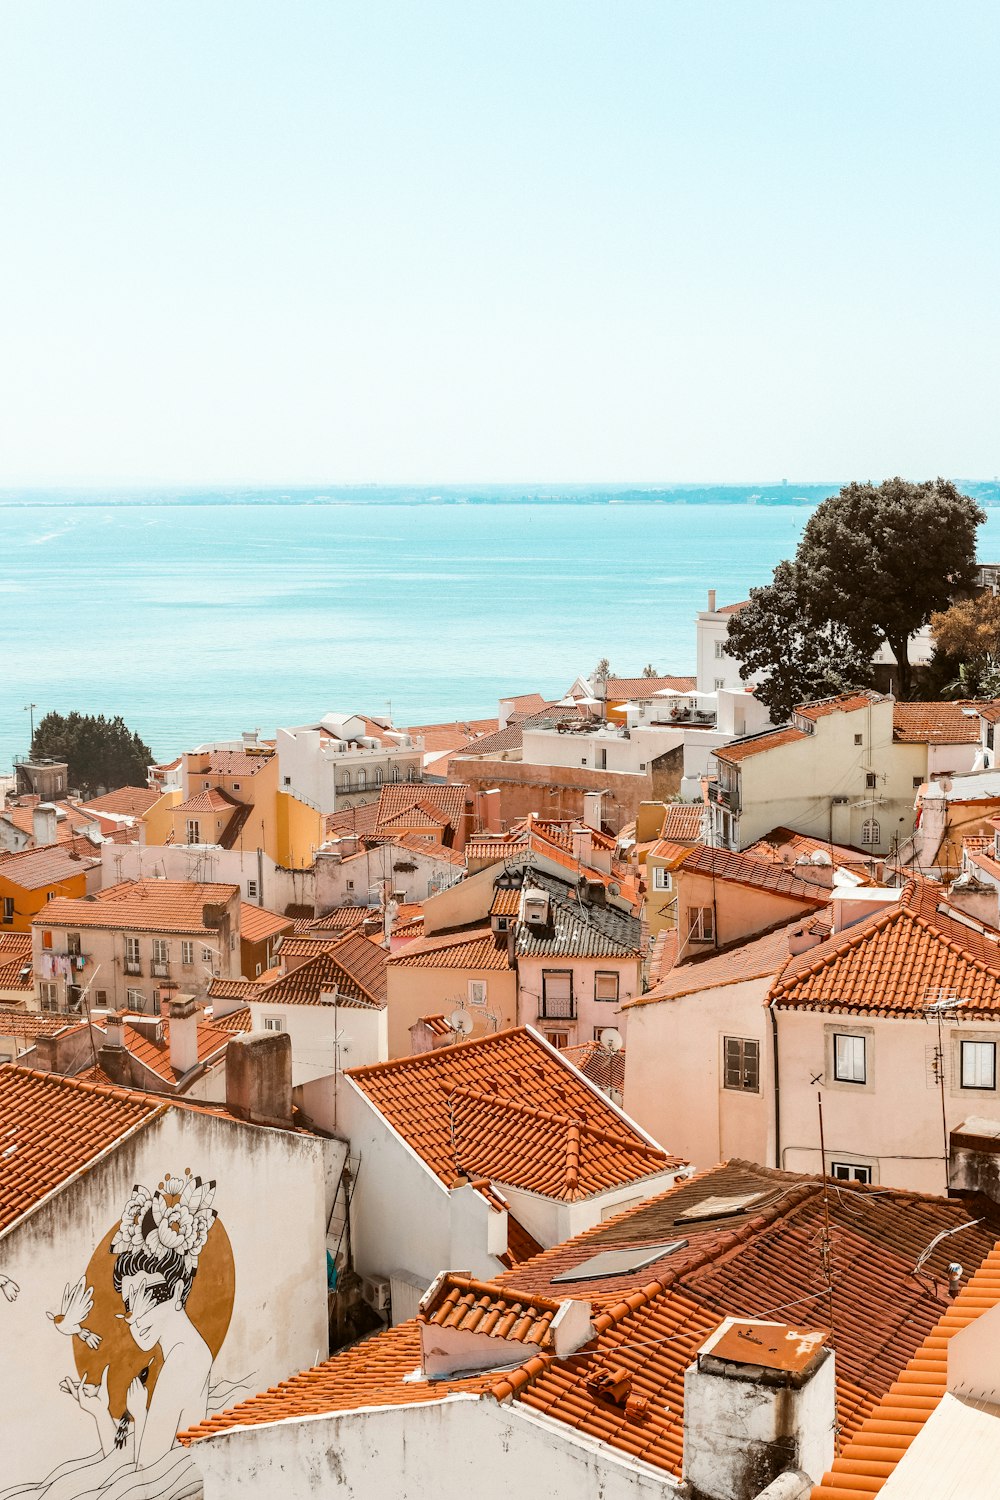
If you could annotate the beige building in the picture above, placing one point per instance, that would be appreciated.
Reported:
(119, 949)
(469, 970)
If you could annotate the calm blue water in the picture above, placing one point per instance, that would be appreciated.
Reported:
(198, 621)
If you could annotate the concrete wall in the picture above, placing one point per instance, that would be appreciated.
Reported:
(326, 1039)
(741, 911)
(415, 992)
(450, 1449)
(367, 875)
(553, 791)
(277, 886)
(591, 1013)
(674, 1077)
(270, 1199)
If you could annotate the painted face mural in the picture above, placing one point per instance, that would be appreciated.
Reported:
(147, 1320)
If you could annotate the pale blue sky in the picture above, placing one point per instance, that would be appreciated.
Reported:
(325, 242)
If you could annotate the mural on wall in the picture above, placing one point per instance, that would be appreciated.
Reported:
(146, 1321)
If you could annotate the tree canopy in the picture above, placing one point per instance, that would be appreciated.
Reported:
(102, 754)
(874, 564)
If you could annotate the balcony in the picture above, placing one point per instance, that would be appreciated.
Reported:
(726, 797)
(159, 970)
(133, 966)
(557, 1008)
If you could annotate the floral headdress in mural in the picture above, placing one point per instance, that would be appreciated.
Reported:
(177, 1217)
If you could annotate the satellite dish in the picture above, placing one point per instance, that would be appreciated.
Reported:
(460, 1020)
(611, 1040)
(614, 889)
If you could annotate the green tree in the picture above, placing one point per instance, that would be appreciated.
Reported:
(796, 657)
(102, 754)
(885, 557)
(649, 670)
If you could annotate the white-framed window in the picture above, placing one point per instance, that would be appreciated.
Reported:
(741, 1063)
(8, 909)
(700, 924)
(378, 775)
(871, 779)
(411, 773)
(362, 779)
(252, 889)
(187, 953)
(606, 985)
(850, 1058)
(133, 961)
(236, 786)
(663, 880)
(207, 955)
(477, 991)
(260, 968)
(557, 994)
(979, 1065)
(49, 995)
(161, 951)
(871, 833)
(850, 1171)
(287, 780)
(720, 683)
(136, 999)
(193, 831)
(720, 650)
(273, 1023)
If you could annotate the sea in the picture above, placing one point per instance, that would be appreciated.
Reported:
(196, 615)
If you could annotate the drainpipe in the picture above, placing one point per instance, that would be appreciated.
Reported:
(777, 1085)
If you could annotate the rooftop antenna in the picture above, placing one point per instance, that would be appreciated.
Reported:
(944, 1000)
(29, 709)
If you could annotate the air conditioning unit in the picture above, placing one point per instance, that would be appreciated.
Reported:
(375, 1291)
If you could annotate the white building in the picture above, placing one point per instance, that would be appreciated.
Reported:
(343, 760)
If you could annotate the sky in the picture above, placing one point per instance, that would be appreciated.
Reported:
(313, 242)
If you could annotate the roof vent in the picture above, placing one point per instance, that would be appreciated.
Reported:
(611, 1385)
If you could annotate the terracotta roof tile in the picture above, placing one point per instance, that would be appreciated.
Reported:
(934, 724)
(257, 924)
(758, 744)
(15, 958)
(735, 965)
(233, 989)
(234, 1021)
(619, 689)
(842, 703)
(518, 1114)
(129, 801)
(340, 919)
(473, 948)
(447, 800)
(26, 1025)
(683, 822)
(54, 1127)
(606, 1069)
(49, 864)
(324, 976)
(212, 799)
(155, 1056)
(236, 762)
(743, 869)
(141, 906)
(465, 1305)
(732, 609)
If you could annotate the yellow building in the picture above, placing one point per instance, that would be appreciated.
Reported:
(33, 877)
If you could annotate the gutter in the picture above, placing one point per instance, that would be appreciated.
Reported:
(777, 1085)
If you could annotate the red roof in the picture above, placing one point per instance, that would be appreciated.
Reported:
(509, 1108)
(474, 948)
(618, 689)
(141, 906)
(934, 724)
(257, 924)
(212, 799)
(682, 823)
(843, 703)
(742, 869)
(49, 864)
(447, 800)
(754, 960)
(127, 801)
(771, 739)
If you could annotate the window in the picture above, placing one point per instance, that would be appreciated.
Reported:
(73, 944)
(207, 955)
(871, 779)
(206, 786)
(362, 780)
(8, 908)
(287, 780)
(50, 895)
(274, 1023)
(662, 879)
(605, 985)
(700, 924)
(350, 885)
(850, 1171)
(557, 1039)
(849, 1060)
(411, 774)
(236, 786)
(259, 969)
(741, 1063)
(477, 991)
(378, 775)
(161, 958)
(602, 758)
(136, 999)
(871, 833)
(859, 739)
(557, 994)
(102, 998)
(193, 831)
(917, 782)
(132, 955)
(720, 683)
(49, 996)
(395, 773)
(720, 650)
(187, 953)
(46, 940)
(251, 888)
(979, 1065)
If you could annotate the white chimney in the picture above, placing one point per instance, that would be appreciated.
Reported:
(185, 1013)
(592, 809)
(711, 601)
(44, 822)
(759, 1400)
(583, 845)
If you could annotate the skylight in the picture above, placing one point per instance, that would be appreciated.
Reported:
(618, 1262)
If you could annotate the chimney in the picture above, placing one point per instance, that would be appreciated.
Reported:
(489, 802)
(112, 1058)
(592, 809)
(759, 1401)
(711, 601)
(184, 1012)
(974, 1158)
(583, 844)
(44, 822)
(259, 1078)
(975, 898)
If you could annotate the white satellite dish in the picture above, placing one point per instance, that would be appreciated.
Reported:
(611, 1040)
(614, 889)
(460, 1020)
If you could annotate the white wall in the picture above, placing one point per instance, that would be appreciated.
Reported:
(270, 1199)
(326, 1039)
(209, 862)
(361, 879)
(451, 1449)
(547, 747)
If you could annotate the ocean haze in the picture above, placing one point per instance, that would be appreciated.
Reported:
(201, 620)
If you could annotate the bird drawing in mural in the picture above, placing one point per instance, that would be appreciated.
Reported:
(9, 1288)
(77, 1303)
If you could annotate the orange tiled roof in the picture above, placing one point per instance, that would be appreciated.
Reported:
(466, 1305)
(29, 1024)
(360, 820)
(884, 1437)
(506, 902)
(758, 744)
(651, 1322)
(419, 814)
(753, 960)
(257, 924)
(49, 864)
(447, 799)
(606, 1069)
(889, 963)
(155, 1057)
(474, 948)
(141, 906)
(682, 823)
(732, 609)
(212, 799)
(128, 801)
(236, 762)
(320, 978)
(618, 689)
(843, 703)
(15, 958)
(727, 864)
(934, 724)
(21, 817)
(437, 1025)
(517, 1114)
(340, 919)
(53, 1127)
(233, 989)
(234, 1021)
(771, 845)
